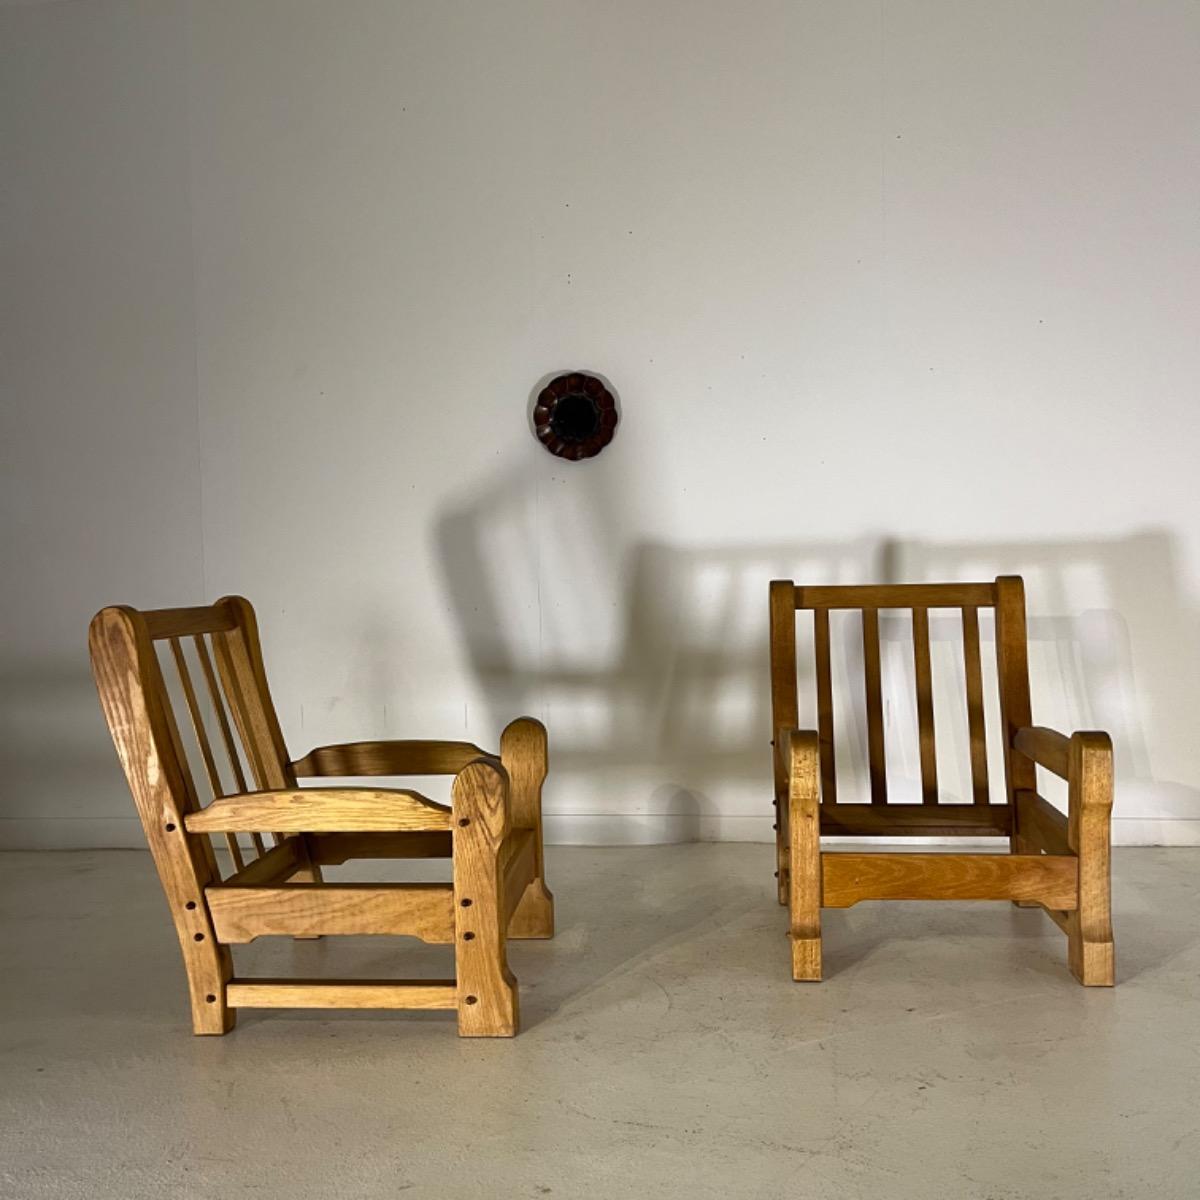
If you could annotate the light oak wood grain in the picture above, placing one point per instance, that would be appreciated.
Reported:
(804, 880)
(301, 810)
(277, 865)
(420, 910)
(130, 688)
(493, 836)
(487, 992)
(1089, 802)
(849, 878)
(343, 993)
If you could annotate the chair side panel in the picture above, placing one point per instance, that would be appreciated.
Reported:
(147, 743)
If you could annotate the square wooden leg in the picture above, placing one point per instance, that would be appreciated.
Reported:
(487, 991)
(804, 875)
(1090, 952)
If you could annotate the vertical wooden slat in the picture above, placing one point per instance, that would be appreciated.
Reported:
(210, 765)
(244, 679)
(824, 667)
(925, 727)
(218, 703)
(239, 664)
(975, 719)
(874, 688)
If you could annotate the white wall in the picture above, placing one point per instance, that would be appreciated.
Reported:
(887, 292)
(98, 401)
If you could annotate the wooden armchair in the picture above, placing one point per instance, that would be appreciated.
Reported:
(1058, 863)
(492, 830)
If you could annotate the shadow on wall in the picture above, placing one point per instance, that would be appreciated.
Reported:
(648, 661)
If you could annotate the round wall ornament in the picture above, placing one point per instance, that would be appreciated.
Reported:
(575, 416)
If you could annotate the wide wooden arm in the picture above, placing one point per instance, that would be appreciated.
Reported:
(321, 810)
(1046, 747)
(388, 758)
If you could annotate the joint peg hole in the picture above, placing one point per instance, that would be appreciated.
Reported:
(199, 937)
(468, 937)
(465, 903)
(211, 999)
(472, 999)
(464, 821)
(170, 827)
(190, 905)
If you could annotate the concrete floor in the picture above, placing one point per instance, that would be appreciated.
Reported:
(666, 1053)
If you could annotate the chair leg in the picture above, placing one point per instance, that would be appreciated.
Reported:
(487, 991)
(209, 967)
(1089, 929)
(804, 869)
(525, 755)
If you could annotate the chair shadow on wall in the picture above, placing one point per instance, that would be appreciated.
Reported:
(651, 659)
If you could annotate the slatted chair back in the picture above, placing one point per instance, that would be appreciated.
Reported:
(226, 702)
(1005, 596)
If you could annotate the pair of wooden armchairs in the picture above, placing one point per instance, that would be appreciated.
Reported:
(492, 830)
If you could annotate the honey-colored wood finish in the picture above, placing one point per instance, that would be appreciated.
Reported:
(328, 810)
(976, 725)
(1045, 879)
(524, 753)
(343, 993)
(1059, 863)
(420, 910)
(487, 991)
(876, 757)
(492, 833)
(924, 672)
(804, 879)
(388, 758)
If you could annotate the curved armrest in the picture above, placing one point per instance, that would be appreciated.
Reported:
(388, 758)
(321, 810)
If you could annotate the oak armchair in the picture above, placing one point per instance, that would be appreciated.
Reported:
(492, 830)
(1056, 862)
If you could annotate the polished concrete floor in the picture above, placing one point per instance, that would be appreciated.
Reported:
(665, 1053)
